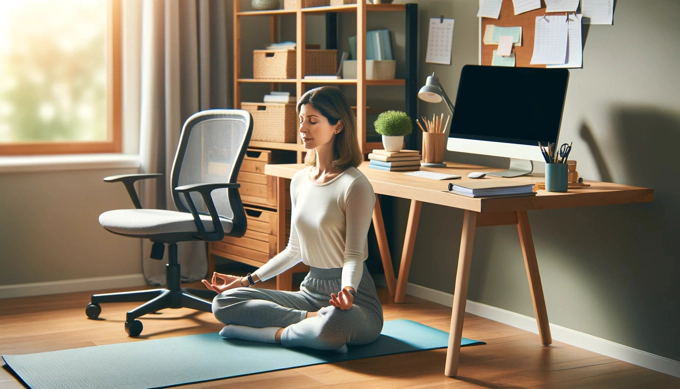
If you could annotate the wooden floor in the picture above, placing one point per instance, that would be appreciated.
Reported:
(512, 358)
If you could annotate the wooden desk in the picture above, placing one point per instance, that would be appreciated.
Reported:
(478, 212)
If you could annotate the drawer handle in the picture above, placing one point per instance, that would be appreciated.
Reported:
(269, 55)
(253, 213)
(253, 154)
(261, 107)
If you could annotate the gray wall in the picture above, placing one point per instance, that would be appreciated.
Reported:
(49, 229)
(607, 271)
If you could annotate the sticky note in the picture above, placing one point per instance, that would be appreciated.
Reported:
(505, 46)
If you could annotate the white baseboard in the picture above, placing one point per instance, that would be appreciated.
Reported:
(559, 333)
(67, 286)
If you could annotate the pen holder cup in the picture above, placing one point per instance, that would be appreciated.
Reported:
(434, 144)
(556, 177)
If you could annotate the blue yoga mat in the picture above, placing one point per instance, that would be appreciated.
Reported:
(196, 358)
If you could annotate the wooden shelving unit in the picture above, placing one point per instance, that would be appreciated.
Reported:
(361, 10)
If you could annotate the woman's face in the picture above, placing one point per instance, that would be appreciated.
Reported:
(315, 130)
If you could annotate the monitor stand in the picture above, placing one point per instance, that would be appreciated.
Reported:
(518, 167)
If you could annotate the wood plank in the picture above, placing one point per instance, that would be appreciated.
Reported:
(510, 359)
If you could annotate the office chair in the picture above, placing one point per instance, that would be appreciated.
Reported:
(204, 189)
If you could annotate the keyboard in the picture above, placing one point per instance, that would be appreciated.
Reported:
(432, 175)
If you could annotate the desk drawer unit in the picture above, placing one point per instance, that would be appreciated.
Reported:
(258, 194)
(258, 188)
(258, 245)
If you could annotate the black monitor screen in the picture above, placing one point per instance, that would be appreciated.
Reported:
(511, 105)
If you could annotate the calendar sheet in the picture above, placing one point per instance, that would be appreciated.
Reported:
(439, 41)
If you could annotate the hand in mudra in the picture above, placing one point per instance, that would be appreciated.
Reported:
(229, 282)
(343, 300)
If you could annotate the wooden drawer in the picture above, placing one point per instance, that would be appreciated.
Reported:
(258, 244)
(256, 187)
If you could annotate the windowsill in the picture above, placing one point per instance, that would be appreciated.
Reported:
(45, 163)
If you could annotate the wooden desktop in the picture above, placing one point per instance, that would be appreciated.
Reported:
(478, 212)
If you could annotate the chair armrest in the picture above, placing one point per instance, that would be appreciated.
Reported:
(205, 191)
(129, 181)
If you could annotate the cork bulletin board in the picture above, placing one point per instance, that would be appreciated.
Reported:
(508, 18)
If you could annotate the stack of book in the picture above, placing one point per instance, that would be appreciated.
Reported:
(279, 97)
(493, 188)
(395, 161)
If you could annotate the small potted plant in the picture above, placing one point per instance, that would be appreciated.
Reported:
(393, 126)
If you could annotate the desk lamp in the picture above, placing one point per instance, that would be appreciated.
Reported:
(432, 92)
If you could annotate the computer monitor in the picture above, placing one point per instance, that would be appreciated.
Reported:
(505, 112)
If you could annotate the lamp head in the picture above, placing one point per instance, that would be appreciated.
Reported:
(431, 92)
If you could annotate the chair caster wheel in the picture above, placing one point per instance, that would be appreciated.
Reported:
(133, 328)
(93, 310)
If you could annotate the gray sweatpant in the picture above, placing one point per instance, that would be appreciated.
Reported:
(331, 329)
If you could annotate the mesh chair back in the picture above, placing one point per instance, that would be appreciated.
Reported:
(211, 148)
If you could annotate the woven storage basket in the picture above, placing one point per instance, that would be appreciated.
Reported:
(273, 122)
(276, 64)
(292, 4)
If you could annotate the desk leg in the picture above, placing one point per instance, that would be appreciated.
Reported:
(460, 294)
(283, 281)
(407, 250)
(534, 276)
(383, 246)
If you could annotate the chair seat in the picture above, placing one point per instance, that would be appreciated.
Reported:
(155, 222)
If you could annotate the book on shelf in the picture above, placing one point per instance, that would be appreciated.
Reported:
(288, 45)
(399, 153)
(395, 163)
(394, 168)
(279, 97)
(493, 188)
(378, 45)
(386, 158)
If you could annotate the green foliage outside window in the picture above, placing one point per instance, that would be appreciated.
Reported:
(53, 76)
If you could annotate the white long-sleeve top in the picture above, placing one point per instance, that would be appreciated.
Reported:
(329, 226)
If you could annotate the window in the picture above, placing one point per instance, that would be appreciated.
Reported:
(59, 77)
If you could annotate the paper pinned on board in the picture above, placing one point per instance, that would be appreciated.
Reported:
(503, 61)
(439, 41)
(550, 40)
(574, 45)
(489, 9)
(493, 33)
(597, 11)
(522, 6)
(561, 5)
(505, 46)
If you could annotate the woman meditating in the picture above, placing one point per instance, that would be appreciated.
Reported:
(332, 203)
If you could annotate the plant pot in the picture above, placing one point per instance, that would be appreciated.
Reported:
(392, 143)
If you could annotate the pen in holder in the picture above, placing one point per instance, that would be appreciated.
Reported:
(556, 166)
(434, 141)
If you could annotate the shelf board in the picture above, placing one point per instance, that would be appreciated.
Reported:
(276, 145)
(334, 8)
(268, 80)
(271, 12)
(394, 82)
(353, 8)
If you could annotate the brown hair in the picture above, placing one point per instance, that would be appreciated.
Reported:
(333, 105)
